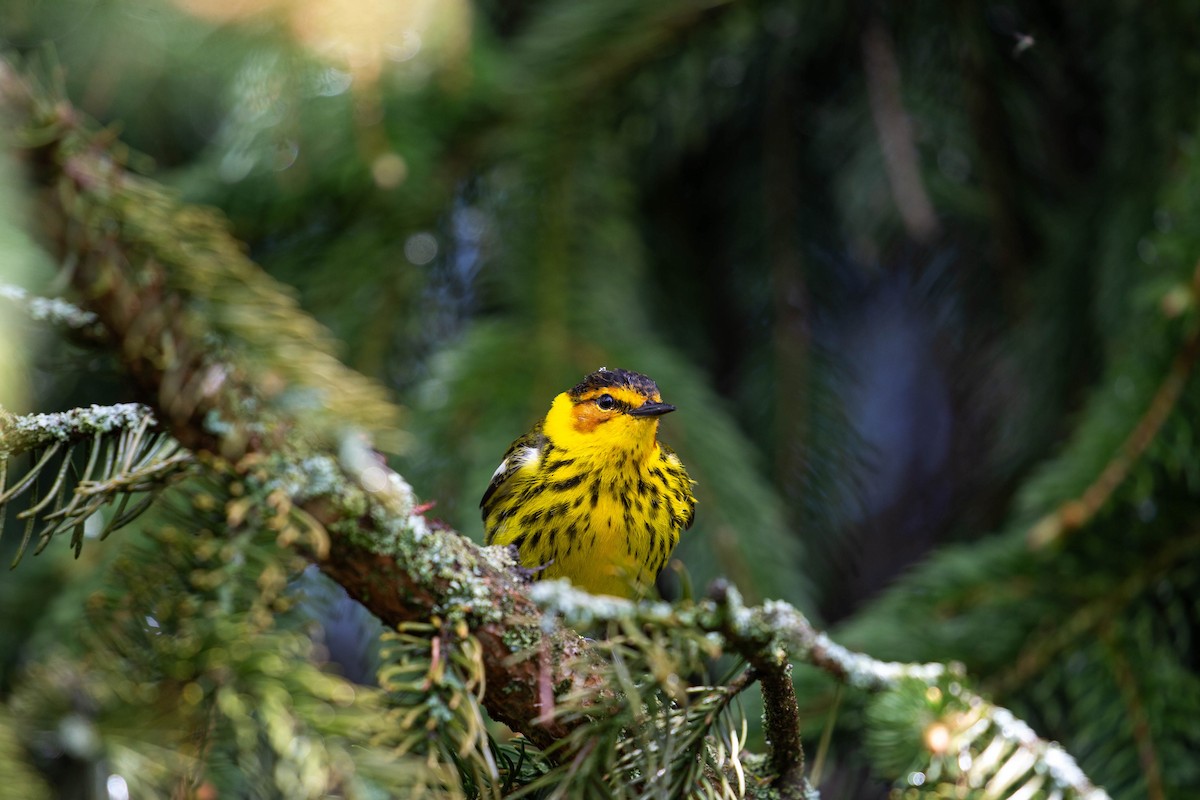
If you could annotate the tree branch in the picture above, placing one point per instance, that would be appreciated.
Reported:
(781, 714)
(897, 141)
(138, 462)
(1078, 512)
(83, 324)
(779, 629)
(222, 397)
(237, 374)
(22, 433)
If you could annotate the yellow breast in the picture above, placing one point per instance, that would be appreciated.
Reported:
(608, 527)
(596, 500)
(599, 506)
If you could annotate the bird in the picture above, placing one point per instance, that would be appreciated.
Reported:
(589, 493)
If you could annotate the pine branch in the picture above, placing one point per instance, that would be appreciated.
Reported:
(1076, 513)
(20, 434)
(180, 701)
(227, 391)
(83, 324)
(781, 717)
(185, 323)
(897, 140)
(1090, 618)
(1135, 708)
(124, 458)
(1010, 743)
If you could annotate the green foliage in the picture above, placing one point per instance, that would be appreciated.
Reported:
(193, 670)
(656, 730)
(118, 458)
(697, 190)
(1086, 624)
(16, 773)
(256, 318)
(940, 741)
(434, 677)
(245, 317)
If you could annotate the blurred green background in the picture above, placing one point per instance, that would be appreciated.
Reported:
(911, 272)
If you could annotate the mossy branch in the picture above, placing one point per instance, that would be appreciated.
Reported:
(20, 434)
(241, 377)
(238, 375)
(771, 634)
(781, 714)
(125, 457)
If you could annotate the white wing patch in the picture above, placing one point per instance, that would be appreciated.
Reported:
(525, 456)
(522, 458)
(500, 469)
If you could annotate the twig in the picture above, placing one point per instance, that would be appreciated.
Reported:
(1135, 713)
(776, 624)
(896, 139)
(781, 714)
(1076, 513)
(132, 245)
(19, 434)
(82, 323)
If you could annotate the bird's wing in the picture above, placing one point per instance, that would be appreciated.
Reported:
(689, 503)
(522, 452)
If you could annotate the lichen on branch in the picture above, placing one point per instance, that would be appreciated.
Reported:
(236, 373)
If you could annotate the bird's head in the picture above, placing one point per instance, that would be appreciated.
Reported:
(612, 409)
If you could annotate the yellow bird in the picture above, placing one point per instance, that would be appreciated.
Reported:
(590, 494)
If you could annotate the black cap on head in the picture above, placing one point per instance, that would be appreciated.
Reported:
(608, 378)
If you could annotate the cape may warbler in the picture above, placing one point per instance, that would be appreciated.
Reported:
(590, 494)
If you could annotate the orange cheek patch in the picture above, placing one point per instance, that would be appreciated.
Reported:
(587, 417)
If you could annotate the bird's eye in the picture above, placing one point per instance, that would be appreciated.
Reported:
(605, 402)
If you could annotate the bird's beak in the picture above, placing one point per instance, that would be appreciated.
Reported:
(652, 410)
